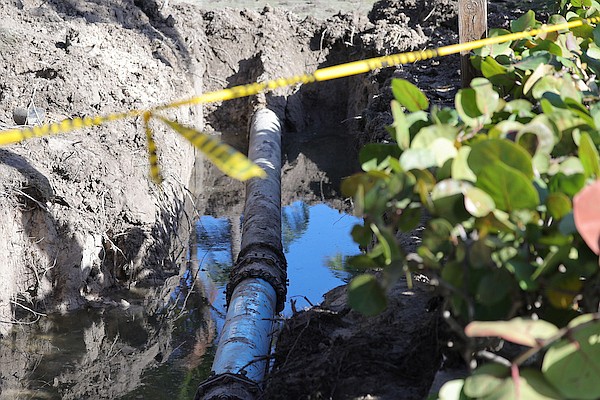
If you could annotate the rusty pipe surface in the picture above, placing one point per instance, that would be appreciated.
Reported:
(261, 253)
(257, 286)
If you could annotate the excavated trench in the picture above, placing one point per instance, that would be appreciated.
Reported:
(100, 296)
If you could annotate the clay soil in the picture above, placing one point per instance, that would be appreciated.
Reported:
(80, 219)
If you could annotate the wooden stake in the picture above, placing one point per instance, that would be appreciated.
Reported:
(472, 25)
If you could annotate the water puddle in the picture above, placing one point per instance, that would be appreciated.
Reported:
(123, 351)
(316, 241)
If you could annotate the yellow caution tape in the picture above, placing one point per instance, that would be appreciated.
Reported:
(324, 74)
(11, 136)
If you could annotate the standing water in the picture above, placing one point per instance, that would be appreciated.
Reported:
(316, 242)
(122, 351)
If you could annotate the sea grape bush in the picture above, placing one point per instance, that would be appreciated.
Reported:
(508, 180)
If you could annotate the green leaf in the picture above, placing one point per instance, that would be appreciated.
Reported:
(497, 73)
(523, 331)
(505, 129)
(549, 46)
(524, 22)
(541, 127)
(366, 295)
(424, 183)
(551, 261)
(568, 90)
(547, 84)
(409, 95)
(573, 102)
(485, 380)
(495, 50)
(436, 237)
(496, 221)
(351, 184)
(571, 166)
(409, 219)
(363, 262)
(443, 150)
(492, 151)
(588, 154)
(509, 188)
(533, 61)
(480, 254)
(593, 50)
(460, 167)
(425, 137)
(541, 71)
(595, 114)
(466, 106)
(388, 242)
(562, 289)
(448, 200)
(584, 31)
(520, 107)
(478, 203)
(523, 272)
(362, 235)
(417, 159)
(493, 287)
(487, 99)
(374, 156)
(452, 390)
(569, 184)
(416, 121)
(528, 141)
(533, 386)
(564, 119)
(573, 364)
(400, 126)
(558, 205)
(541, 163)
(223, 156)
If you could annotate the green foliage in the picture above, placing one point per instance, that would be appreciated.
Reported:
(366, 295)
(409, 95)
(508, 179)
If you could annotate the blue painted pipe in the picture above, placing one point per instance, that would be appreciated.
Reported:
(246, 336)
(257, 286)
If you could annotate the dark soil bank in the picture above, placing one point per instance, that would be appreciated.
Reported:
(80, 219)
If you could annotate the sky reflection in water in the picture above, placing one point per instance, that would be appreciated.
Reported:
(316, 241)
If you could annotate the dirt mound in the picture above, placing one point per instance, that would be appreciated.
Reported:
(333, 352)
(79, 213)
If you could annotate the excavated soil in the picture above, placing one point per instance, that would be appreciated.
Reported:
(84, 227)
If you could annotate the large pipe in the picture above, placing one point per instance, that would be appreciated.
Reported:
(257, 286)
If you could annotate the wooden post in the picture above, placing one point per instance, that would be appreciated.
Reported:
(472, 25)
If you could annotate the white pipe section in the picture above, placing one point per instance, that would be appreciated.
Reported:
(246, 336)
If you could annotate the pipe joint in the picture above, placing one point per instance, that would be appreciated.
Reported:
(227, 386)
(263, 261)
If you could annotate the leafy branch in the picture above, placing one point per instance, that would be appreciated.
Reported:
(509, 181)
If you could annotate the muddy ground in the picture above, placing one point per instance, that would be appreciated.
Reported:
(82, 223)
